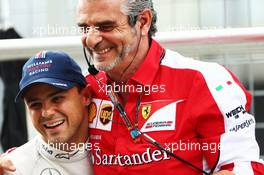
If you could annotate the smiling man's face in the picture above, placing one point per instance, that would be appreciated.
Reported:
(59, 115)
(111, 41)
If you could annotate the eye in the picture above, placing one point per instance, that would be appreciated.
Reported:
(106, 28)
(35, 106)
(57, 99)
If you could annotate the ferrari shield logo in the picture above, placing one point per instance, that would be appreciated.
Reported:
(146, 111)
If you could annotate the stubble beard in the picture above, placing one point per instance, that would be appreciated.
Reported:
(125, 51)
(121, 57)
(110, 66)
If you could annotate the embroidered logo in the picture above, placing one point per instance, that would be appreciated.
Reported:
(105, 114)
(101, 114)
(92, 112)
(50, 171)
(222, 86)
(146, 111)
(65, 155)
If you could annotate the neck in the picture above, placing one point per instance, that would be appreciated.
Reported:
(126, 69)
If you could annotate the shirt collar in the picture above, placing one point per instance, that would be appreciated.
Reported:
(62, 156)
(149, 68)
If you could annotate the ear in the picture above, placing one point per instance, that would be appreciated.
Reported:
(86, 94)
(145, 19)
(84, 37)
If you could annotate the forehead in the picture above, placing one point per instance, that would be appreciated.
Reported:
(39, 90)
(93, 11)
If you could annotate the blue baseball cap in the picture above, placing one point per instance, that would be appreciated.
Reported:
(55, 68)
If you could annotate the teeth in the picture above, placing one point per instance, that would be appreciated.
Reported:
(103, 51)
(50, 125)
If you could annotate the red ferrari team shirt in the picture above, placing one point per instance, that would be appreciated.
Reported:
(195, 109)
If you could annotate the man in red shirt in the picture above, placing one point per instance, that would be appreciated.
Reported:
(194, 109)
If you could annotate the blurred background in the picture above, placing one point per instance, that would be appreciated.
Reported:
(230, 32)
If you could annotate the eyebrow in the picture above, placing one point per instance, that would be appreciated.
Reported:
(101, 23)
(30, 100)
(82, 24)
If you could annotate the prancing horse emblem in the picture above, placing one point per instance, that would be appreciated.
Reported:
(146, 111)
(50, 171)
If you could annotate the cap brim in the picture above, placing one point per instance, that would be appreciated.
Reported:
(65, 85)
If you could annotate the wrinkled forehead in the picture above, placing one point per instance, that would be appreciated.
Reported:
(90, 11)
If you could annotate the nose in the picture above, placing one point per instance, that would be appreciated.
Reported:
(47, 110)
(91, 38)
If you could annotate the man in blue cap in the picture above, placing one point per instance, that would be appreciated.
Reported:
(56, 95)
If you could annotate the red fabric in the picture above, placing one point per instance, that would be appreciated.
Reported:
(258, 168)
(228, 167)
(197, 119)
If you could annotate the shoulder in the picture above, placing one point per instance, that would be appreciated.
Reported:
(175, 60)
(24, 150)
(213, 74)
(25, 156)
(222, 84)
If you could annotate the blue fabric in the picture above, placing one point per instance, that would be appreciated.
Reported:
(51, 67)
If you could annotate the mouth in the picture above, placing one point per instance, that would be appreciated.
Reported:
(103, 51)
(53, 124)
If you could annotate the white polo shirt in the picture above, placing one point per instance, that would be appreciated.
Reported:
(38, 158)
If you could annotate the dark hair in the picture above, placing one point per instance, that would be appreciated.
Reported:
(134, 7)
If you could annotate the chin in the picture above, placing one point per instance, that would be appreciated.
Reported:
(57, 140)
(109, 65)
(104, 67)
